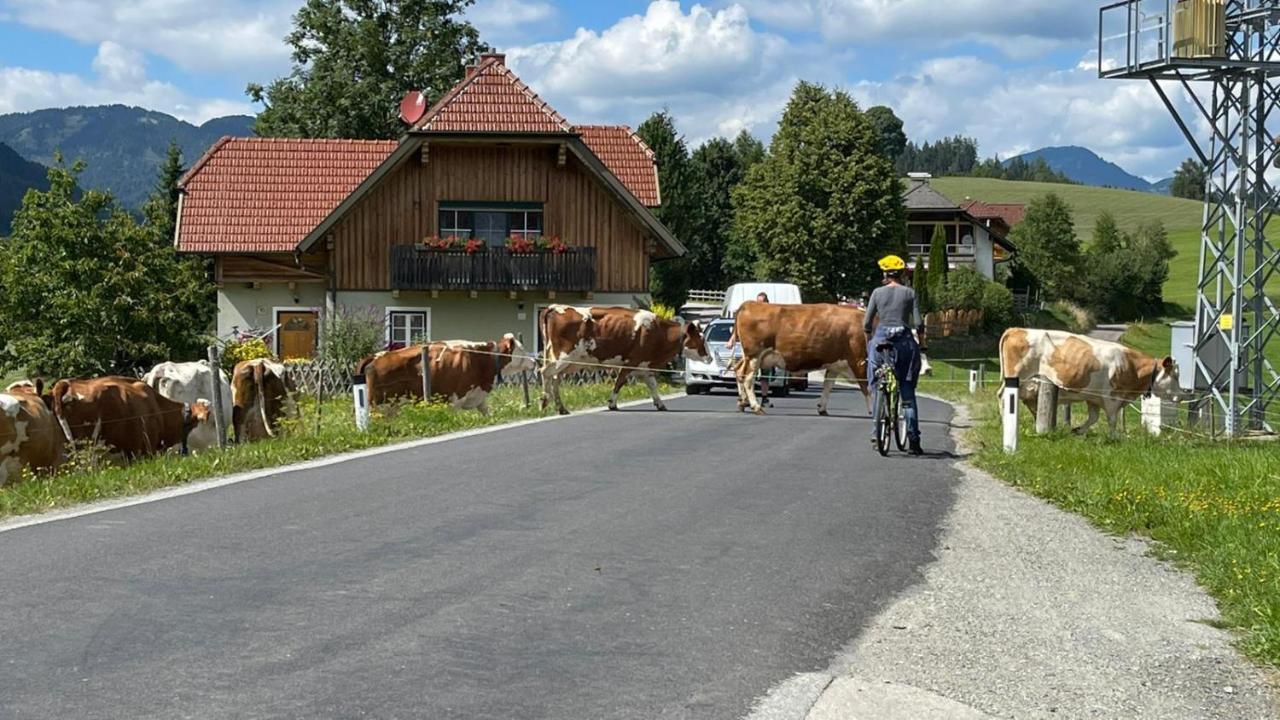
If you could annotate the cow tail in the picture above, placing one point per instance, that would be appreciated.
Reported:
(56, 394)
(363, 365)
(545, 330)
(259, 370)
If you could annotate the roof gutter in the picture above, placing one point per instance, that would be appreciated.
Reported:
(177, 223)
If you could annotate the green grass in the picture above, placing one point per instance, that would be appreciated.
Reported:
(1214, 508)
(312, 435)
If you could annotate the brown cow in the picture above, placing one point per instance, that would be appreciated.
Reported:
(462, 372)
(261, 392)
(125, 414)
(633, 341)
(1104, 375)
(800, 339)
(29, 436)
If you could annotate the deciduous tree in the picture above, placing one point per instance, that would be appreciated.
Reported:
(893, 140)
(670, 280)
(825, 204)
(1048, 247)
(1188, 181)
(354, 59)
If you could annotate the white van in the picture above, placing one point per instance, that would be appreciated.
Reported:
(779, 293)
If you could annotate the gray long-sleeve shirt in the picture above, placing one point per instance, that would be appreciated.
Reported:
(896, 307)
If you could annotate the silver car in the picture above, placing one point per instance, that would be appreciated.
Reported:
(700, 377)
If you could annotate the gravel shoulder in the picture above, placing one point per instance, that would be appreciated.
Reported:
(1030, 612)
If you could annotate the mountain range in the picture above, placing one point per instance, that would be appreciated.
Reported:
(17, 175)
(1087, 168)
(122, 147)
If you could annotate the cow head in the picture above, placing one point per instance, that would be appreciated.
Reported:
(1165, 384)
(695, 345)
(513, 353)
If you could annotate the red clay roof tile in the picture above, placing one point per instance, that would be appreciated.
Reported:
(1010, 213)
(264, 195)
(491, 99)
(627, 157)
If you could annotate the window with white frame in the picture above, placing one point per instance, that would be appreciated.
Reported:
(493, 224)
(408, 326)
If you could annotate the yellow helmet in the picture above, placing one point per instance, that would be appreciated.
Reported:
(892, 263)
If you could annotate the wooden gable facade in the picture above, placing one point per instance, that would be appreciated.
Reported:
(403, 209)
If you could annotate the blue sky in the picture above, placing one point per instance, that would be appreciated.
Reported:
(1017, 75)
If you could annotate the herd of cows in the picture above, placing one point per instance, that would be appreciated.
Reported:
(168, 409)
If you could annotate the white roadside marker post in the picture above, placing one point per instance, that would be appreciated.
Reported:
(426, 374)
(1153, 414)
(360, 395)
(973, 381)
(1009, 414)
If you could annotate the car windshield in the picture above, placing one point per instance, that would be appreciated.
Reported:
(719, 332)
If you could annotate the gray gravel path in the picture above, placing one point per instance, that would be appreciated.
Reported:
(1030, 612)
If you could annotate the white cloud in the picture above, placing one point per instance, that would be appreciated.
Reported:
(1021, 28)
(503, 21)
(197, 35)
(715, 72)
(119, 66)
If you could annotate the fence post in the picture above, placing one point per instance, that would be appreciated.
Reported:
(215, 367)
(1009, 414)
(973, 381)
(524, 376)
(1046, 408)
(360, 394)
(1152, 414)
(426, 374)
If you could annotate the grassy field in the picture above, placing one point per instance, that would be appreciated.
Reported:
(1181, 218)
(318, 432)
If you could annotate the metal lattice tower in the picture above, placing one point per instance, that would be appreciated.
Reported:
(1225, 56)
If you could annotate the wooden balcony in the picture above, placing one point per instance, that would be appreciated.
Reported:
(494, 269)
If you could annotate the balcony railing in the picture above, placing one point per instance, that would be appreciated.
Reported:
(494, 269)
(962, 252)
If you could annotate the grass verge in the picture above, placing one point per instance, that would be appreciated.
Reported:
(1213, 508)
(320, 430)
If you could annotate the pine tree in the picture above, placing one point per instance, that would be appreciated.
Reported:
(1107, 237)
(1189, 181)
(920, 281)
(938, 263)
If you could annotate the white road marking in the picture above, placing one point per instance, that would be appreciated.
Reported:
(205, 485)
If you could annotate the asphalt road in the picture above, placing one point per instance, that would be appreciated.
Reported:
(629, 565)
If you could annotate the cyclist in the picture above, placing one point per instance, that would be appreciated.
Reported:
(895, 305)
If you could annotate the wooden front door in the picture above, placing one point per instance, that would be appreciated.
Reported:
(298, 333)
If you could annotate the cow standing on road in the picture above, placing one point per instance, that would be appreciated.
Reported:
(631, 341)
(800, 339)
(29, 436)
(462, 372)
(1104, 375)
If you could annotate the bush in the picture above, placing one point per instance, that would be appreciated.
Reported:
(1125, 280)
(348, 336)
(997, 308)
(236, 352)
(962, 290)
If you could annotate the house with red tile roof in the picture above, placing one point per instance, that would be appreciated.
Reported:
(977, 234)
(491, 207)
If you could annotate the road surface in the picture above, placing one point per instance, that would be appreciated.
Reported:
(627, 565)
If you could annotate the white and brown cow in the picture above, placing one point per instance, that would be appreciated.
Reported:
(125, 414)
(800, 339)
(29, 435)
(261, 394)
(463, 372)
(190, 383)
(632, 341)
(1104, 375)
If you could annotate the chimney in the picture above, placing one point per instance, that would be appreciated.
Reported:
(500, 57)
(471, 70)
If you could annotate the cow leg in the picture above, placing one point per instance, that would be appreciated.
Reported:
(1091, 421)
(623, 374)
(652, 382)
(828, 384)
(1113, 408)
(739, 372)
(749, 383)
(555, 388)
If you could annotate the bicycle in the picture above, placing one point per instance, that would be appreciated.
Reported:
(891, 425)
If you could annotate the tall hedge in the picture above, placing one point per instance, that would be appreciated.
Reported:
(938, 263)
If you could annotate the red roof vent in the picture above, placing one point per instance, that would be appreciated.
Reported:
(413, 107)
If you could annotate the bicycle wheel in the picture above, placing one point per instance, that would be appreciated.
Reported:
(884, 424)
(899, 424)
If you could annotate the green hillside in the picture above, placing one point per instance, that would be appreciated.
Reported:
(1181, 218)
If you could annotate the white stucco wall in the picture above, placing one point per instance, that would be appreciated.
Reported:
(984, 255)
(453, 316)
